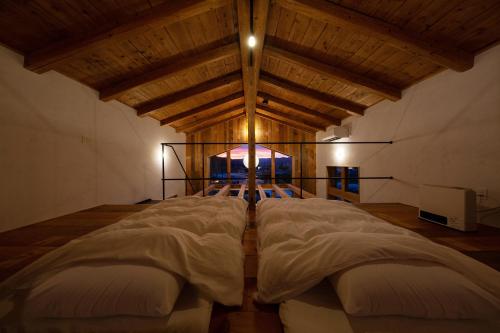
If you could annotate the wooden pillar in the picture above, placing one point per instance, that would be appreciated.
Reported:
(273, 166)
(228, 165)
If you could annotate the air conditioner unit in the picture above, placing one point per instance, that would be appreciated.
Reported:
(453, 207)
(339, 133)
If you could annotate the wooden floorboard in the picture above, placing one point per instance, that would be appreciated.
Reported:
(22, 246)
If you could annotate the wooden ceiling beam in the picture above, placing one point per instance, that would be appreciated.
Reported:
(48, 57)
(251, 21)
(204, 87)
(221, 113)
(201, 108)
(172, 68)
(300, 108)
(285, 118)
(333, 101)
(330, 13)
(336, 73)
(212, 121)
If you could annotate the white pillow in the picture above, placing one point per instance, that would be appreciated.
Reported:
(413, 290)
(90, 291)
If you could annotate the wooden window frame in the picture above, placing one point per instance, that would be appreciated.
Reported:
(342, 193)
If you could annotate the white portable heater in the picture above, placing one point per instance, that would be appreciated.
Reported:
(453, 207)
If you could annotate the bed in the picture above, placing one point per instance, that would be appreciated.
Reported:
(335, 268)
(158, 270)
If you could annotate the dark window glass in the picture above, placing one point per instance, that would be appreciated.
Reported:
(352, 184)
(218, 168)
(338, 181)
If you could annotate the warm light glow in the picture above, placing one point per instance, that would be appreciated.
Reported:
(246, 162)
(340, 154)
(252, 41)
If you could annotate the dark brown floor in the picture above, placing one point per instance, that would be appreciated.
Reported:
(22, 246)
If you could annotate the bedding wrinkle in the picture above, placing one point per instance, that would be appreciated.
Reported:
(202, 246)
(301, 242)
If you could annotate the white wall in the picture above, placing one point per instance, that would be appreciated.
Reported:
(63, 150)
(446, 131)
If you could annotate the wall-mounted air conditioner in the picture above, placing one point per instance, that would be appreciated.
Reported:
(339, 132)
(453, 207)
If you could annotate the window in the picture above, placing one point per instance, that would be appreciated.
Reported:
(283, 168)
(346, 186)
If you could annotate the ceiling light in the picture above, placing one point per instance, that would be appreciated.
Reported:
(252, 41)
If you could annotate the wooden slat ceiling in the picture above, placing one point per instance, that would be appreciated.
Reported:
(180, 61)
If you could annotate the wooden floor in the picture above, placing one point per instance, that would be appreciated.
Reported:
(22, 246)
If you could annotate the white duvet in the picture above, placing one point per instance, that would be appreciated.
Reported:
(196, 238)
(303, 241)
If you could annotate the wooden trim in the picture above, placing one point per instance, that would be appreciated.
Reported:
(333, 101)
(223, 192)
(172, 68)
(207, 190)
(241, 193)
(296, 190)
(330, 13)
(285, 118)
(228, 165)
(262, 193)
(161, 102)
(48, 57)
(353, 197)
(273, 166)
(300, 108)
(280, 191)
(336, 73)
(210, 122)
(201, 108)
(250, 65)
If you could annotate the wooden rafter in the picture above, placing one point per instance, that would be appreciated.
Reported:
(296, 190)
(172, 11)
(289, 118)
(198, 126)
(331, 13)
(204, 87)
(300, 108)
(250, 64)
(280, 191)
(223, 191)
(201, 108)
(336, 73)
(288, 122)
(333, 101)
(172, 68)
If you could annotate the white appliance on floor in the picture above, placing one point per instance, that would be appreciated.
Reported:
(454, 207)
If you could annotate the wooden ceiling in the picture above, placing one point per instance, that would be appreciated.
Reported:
(180, 62)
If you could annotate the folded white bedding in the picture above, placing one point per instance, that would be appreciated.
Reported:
(191, 314)
(104, 291)
(303, 241)
(198, 239)
(319, 311)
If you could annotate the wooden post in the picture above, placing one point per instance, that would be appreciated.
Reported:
(273, 166)
(251, 21)
(228, 166)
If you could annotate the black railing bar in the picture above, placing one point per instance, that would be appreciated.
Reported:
(278, 178)
(182, 167)
(282, 142)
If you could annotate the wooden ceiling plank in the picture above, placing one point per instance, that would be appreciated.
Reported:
(211, 122)
(251, 59)
(218, 114)
(162, 73)
(334, 101)
(158, 103)
(327, 12)
(201, 108)
(48, 57)
(300, 108)
(269, 111)
(336, 73)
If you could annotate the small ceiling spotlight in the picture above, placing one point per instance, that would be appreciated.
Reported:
(252, 41)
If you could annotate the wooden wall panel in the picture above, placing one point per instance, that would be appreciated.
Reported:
(266, 131)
